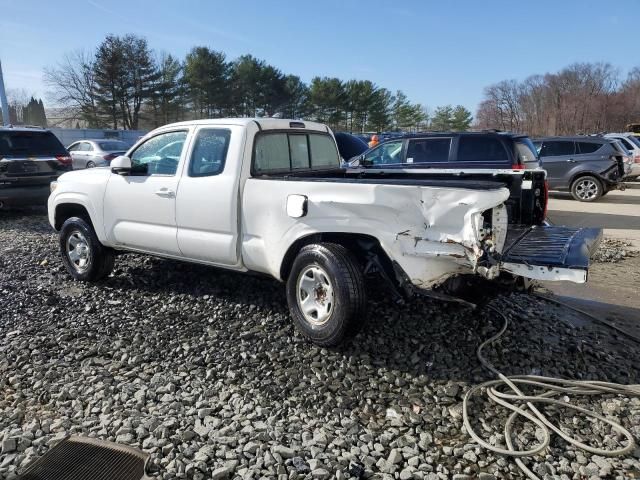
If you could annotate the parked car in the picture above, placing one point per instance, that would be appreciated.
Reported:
(586, 166)
(349, 145)
(270, 196)
(95, 153)
(468, 150)
(632, 143)
(30, 159)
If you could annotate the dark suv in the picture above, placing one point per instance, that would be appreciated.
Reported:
(30, 159)
(588, 167)
(485, 150)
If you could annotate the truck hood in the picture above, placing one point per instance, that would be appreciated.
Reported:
(86, 175)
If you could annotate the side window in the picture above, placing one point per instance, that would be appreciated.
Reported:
(272, 152)
(209, 152)
(588, 147)
(74, 147)
(159, 155)
(88, 147)
(323, 152)
(385, 154)
(83, 147)
(554, 148)
(478, 149)
(428, 150)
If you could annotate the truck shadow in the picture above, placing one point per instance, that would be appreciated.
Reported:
(401, 345)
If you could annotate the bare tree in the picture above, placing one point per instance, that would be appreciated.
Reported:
(73, 87)
(581, 98)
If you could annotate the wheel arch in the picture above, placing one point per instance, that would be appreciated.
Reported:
(585, 173)
(366, 248)
(66, 210)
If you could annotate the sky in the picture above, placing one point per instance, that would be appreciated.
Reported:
(437, 52)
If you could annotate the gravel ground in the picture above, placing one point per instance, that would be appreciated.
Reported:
(203, 369)
(612, 250)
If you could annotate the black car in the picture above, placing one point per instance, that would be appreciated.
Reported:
(30, 159)
(587, 166)
(460, 150)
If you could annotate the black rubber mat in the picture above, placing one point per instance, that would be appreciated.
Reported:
(80, 458)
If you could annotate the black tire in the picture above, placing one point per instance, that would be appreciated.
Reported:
(99, 260)
(346, 306)
(91, 164)
(586, 188)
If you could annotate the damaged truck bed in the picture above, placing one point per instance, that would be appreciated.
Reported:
(269, 196)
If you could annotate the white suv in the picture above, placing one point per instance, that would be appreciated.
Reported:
(631, 143)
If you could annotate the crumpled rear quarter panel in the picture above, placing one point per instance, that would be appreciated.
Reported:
(431, 232)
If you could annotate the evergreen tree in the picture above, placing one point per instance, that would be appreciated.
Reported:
(207, 82)
(461, 118)
(442, 118)
(381, 111)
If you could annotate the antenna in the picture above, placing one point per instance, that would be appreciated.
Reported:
(3, 100)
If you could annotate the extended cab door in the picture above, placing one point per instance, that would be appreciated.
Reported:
(140, 208)
(556, 157)
(207, 200)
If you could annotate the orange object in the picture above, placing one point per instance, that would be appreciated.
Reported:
(374, 141)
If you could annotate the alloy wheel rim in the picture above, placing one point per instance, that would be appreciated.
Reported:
(315, 295)
(587, 189)
(78, 251)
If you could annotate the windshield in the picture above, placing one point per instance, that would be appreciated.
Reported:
(527, 152)
(112, 146)
(29, 144)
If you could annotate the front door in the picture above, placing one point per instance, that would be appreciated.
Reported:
(140, 208)
(207, 202)
(556, 157)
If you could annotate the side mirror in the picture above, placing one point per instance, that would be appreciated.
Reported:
(121, 165)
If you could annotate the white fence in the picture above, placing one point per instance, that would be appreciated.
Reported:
(69, 135)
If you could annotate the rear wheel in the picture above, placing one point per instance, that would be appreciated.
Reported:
(326, 293)
(91, 164)
(84, 257)
(586, 188)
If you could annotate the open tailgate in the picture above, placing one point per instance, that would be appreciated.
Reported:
(550, 252)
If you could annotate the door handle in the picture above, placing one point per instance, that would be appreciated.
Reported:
(163, 192)
(571, 160)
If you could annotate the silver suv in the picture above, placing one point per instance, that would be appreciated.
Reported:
(588, 167)
(30, 159)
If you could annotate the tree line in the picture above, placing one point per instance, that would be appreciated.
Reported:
(123, 84)
(25, 109)
(582, 98)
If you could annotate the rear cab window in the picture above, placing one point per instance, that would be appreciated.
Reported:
(282, 152)
(29, 144)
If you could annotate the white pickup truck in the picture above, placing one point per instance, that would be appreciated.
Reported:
(269, 195)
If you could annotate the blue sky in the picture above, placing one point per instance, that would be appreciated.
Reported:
(436, 52)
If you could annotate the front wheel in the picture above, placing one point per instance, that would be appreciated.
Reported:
(326, 293)
(84, 257)
(587, 188)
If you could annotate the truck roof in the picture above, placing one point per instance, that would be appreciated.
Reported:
(263, 123)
